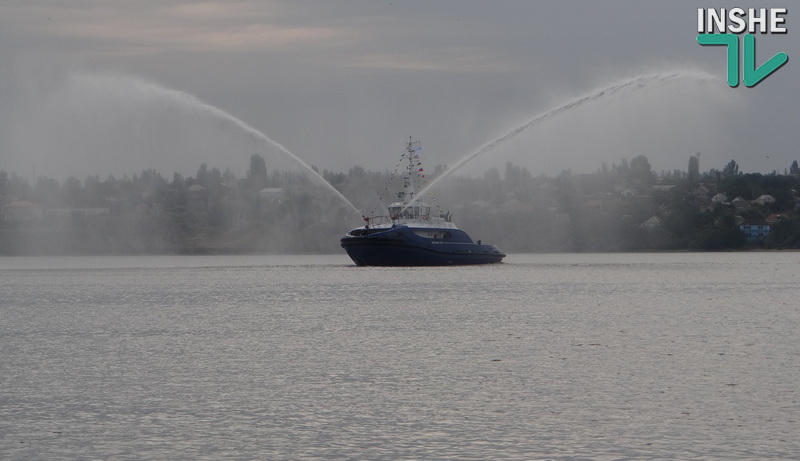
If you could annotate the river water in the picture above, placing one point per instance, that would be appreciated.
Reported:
(569, 356)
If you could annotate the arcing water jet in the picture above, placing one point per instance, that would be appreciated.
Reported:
(191, 102)
(636, 83)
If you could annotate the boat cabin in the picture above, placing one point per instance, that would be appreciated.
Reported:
(418, 211)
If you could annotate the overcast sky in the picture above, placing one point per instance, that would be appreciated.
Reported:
(112, 86)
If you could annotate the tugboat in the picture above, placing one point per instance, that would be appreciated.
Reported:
(411, 236)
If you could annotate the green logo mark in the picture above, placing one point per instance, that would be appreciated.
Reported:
(752, 75)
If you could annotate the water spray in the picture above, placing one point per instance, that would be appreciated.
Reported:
(635, 83)
(194, 102)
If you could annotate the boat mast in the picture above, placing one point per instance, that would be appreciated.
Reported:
(407, 195)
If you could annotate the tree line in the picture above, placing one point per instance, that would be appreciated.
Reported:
(622, 207)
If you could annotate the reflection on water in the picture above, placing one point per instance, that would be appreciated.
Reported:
(670, 356)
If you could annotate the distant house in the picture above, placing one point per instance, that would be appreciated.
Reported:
(196, 198)
(701, 193)
(740, 203)
(20, 211)
(754, 230)
(719, 198)
(274, 194)
(764, 200)
(652, 223)
(271, 200)
(774, 218)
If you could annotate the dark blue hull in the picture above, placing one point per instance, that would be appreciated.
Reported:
(400, 246)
